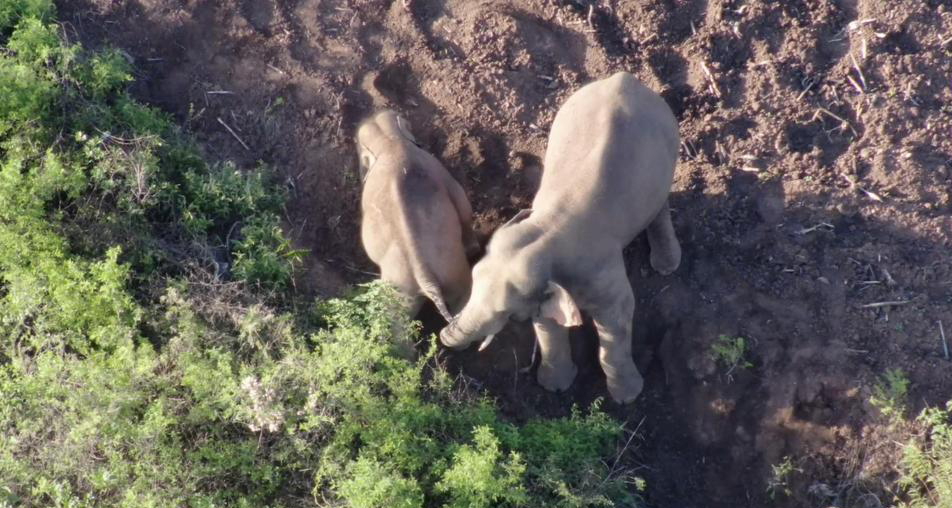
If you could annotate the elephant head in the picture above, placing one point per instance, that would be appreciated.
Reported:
(373, 135)
(512, 281)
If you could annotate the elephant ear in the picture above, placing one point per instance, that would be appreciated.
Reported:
(560, 307)
(404, 127)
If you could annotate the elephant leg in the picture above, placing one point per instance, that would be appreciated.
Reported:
(556, 370)
(665, 249)
(613, 312)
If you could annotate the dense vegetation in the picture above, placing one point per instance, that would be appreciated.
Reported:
(154, 353)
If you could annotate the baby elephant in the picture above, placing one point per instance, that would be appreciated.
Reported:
(417, 222)
(609, 165)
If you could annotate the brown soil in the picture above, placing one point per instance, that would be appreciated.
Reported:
(806, 189)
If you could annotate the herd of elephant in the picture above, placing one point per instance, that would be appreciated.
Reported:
(608, 169)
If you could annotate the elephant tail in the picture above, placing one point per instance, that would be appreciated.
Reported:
(417, 188)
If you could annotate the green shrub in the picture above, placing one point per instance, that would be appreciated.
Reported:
(730, 352)
(889, 394)
(12, 11)
(104, 74)
(371, 484)
(479, 477)
(926, 466)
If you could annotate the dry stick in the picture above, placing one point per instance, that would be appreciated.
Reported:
(717, 91)
(591, 14)
(855, 84)
(945, 345)
(884, 304)
(624, 449)
(807, 89)
(225, 125)
(858, 71)
(838, 117)
(816, 227)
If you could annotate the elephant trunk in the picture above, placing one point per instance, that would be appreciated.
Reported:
(457, 334)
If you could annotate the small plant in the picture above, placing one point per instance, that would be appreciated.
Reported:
(479, 477)
(729, 352)
(780, 477)
(264, 255)
(926, 465)
(889, 394)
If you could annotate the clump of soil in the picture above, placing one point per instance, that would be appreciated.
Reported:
(815, 183)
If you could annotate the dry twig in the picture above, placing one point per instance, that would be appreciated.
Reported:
(876, 305)
(232, 132)
(862, 78)
(843, 122)
(714, 88)
(810, 82)
(945, 345)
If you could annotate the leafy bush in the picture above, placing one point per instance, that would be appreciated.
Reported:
(926, 466)
(71, 137)
(889, 394)
(478, 476)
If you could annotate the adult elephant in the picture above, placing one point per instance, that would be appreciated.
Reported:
(609, 165)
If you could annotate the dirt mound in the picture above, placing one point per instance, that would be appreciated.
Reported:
(814, 186)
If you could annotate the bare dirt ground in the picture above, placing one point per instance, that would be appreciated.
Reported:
(814, 181)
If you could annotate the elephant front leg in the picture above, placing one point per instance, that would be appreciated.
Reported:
(556, 370)
(613, 323)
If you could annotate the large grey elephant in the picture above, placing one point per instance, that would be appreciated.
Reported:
(608, 171)
(416, 221)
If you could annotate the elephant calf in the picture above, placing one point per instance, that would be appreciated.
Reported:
(416, 221)
(609, 165)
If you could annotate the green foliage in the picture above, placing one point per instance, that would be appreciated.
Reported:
(104, 74)
(12, 11)
(68, 129)
(926, 466)
(479, 477)
(25, 97)
(730, 352)
(889, 394)
(370, 484)
(780, 477)
(212, 202)
(263, 255)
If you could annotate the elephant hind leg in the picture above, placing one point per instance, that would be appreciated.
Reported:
(665, 249)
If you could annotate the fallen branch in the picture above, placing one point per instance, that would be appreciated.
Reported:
(945, 345)
(230, 131)
(892, 303)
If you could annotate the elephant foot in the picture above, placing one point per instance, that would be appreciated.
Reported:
(556, 379)
(625, 389)
(666, 260)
